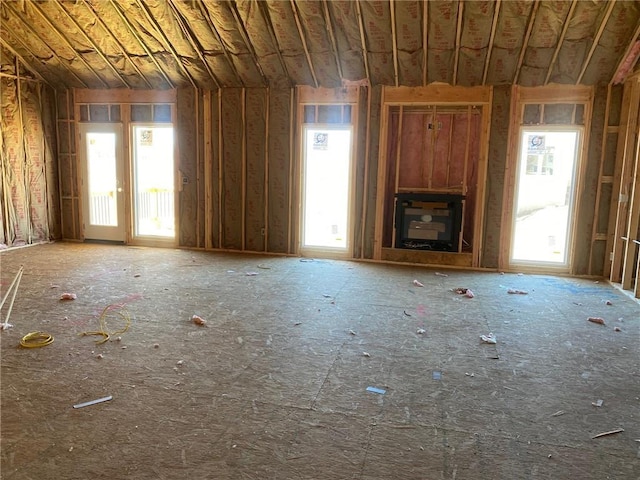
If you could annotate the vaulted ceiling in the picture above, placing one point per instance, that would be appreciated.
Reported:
(211, 44)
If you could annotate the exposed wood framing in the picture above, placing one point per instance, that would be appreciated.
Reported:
(432, 146)
(262, 6)
(483, 163)
(303, 39)
(26, 181)
(627, 52)
(100, 53)
(24, 62)
(195, 44)
(266, 172)
(525, 42)
(144, 46)
(245, 38)
(292, 168)
(565, 28)
(629, 265)
(117, 42)
(624, 158)
(496, 13)
(601, 180)
(243, 159)
(363, 40)
(68, 43)
(425, 42)
(397, 162)
(214, 31)
(458, 37)
(207, 124)
(365, 193)
(596, 39)
(121, 95)
(220, 170)
(381, 181)
(168, 45)
(28, 26)
(394, 40)
(198, 102)
(445, 94)
(332, 37)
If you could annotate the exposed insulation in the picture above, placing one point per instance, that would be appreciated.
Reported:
(186, 135)
(232, 120)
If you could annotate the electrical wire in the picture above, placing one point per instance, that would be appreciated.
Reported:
(102, 320)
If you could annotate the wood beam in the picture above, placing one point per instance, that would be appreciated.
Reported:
(214, 31)
(117, 42)
(492, 36)
(23, 61)
(565, 28)
(458, 37)
(332, 37)
(425, 42)
(68, 43)
(363, 40)
(525, 42)
(394, 40)
(245, 38)
(194, 42)
(626, 54)
(262, 6)
(167, 43)
(93, 44)
(303, 39)
(28, 26)
(144, 46)
(596, 39)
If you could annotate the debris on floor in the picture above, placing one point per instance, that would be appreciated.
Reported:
(417, 283)
(198, 320)
(558, 413)
(617, 329)
(470, 374)
(438, 274)
(351, 332)
(597, 403)
(326, 295)
(264, 267)
(366, 354)
(491, 338)
(36, 340)
(68, 296)
(517, 291)
(610, 432)
(251, 274)
(5, 325)
(464, 291)
(608, 302)
(598, 320)
(420, 331)
(381, 391)
(437, 375)
(93, 402)
(407, 314)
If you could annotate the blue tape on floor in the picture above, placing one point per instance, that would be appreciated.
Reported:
(376, 390)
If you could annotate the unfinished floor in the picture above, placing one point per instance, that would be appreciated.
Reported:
(275, 385)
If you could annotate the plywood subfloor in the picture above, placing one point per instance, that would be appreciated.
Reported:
(274, 387)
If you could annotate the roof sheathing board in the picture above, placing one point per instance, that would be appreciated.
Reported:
(617, 35)
(319, 43)
(347, 33)
(409, 40)
(377, 27)
(266, 50)
(441, 41)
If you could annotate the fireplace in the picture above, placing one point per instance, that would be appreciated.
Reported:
(428, 221)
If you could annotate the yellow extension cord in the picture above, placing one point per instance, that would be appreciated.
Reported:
(36, 340)
(103, 324)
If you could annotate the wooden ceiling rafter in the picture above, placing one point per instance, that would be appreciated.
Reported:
(394, 42)
(24, 62)
(193, 41)
(245, 38)
(214, 31)
(635, 38)
(332, 37)
(117, 42)
(143, 45)
(425, 42)
(267, 20)
(363, 41)
(168, 45)
(53, 52)
(458, 41)
(301, 34)
(525, 42)
(93, 44)
(596, 39)
(492, 36)
(68, 43)
(565, 28)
